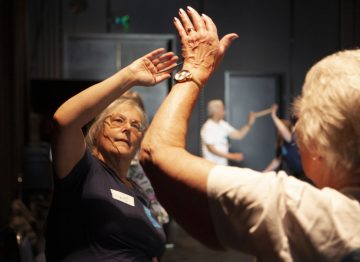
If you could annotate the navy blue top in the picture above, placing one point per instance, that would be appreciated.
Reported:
(92, 218)
(290, 155)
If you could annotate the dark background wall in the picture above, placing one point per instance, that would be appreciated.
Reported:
(276, 36)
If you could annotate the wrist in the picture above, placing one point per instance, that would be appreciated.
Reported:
(184, 76)
(199, 72)
(128, 76)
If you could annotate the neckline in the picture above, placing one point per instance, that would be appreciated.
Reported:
(134, 191)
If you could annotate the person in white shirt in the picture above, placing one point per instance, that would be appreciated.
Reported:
(216, 131)
(272, 216)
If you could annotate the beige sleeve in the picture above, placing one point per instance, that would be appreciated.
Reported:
(247, 208)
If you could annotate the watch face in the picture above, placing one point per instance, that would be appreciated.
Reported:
(182, 76)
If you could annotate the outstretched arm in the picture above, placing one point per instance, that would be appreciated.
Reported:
(281, 127)
(244, 130)
(237, 157)
(68, 144)
(178, 177)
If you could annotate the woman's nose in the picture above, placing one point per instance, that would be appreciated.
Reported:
(126, 126)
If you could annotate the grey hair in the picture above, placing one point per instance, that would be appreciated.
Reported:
(96, 126)
(213, 106)
(329, 111)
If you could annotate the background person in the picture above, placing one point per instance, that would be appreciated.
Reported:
(275, 217)
(216, 131)
(286, 149)
(97, 214)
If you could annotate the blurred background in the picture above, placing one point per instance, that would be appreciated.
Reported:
(52, 49)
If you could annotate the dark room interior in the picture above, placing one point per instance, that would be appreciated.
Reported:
(51, 50)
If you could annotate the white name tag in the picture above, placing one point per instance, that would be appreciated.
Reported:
(122, 197)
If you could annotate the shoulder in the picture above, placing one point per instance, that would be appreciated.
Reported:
(80, 171)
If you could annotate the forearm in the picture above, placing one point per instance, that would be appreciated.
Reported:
(169, 126)
(174, 171)
(81, 108)
(214, 151)
(241, 132)
(282, 129)
(179, 178)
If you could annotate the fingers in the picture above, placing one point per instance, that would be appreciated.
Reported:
(163, 58)
(209, 24)
(180, 28)
(167, 66)
(191, 20)
(154, 54)
(197, 20)
(185, 21)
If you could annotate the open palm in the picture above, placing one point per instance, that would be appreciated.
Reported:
(146, 69)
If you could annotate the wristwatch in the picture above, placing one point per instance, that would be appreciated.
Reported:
(184, 76)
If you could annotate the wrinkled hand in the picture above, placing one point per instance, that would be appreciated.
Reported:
(201, 49)
(237, 157)
(145, 70)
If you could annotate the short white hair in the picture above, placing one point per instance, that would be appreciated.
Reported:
(329, 111)
(213, 106)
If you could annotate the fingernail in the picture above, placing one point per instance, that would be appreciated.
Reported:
(189, 8)
(175, 19)
(203, 15)
(181, 11)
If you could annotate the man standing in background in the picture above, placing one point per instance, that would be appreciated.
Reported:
(216, 131)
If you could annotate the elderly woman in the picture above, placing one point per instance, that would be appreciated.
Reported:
(273, 216)
(97, 214)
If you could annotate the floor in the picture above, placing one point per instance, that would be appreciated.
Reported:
(187, 249)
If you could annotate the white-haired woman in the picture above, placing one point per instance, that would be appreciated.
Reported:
(97, 214)
(273, 216)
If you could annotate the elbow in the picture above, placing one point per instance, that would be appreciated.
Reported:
(60, 122)
(59, 119)
(147, 154)
(62, 118)
(154, 153)
(57, 122)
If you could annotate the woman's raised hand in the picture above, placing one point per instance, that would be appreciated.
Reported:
(146, 70)
(274, 109)
(201, 49)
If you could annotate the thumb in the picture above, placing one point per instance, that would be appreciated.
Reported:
(226, 41)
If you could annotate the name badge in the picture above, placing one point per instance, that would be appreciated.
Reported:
(122, 197)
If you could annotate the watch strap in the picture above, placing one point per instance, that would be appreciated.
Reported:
(189, 77)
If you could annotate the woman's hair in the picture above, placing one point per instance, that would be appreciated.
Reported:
(213, 106)
(328, 111)
(97, 125)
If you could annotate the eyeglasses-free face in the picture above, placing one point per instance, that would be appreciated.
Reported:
(118, 120)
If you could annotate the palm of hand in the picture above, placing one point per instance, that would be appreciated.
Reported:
(145, 71)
